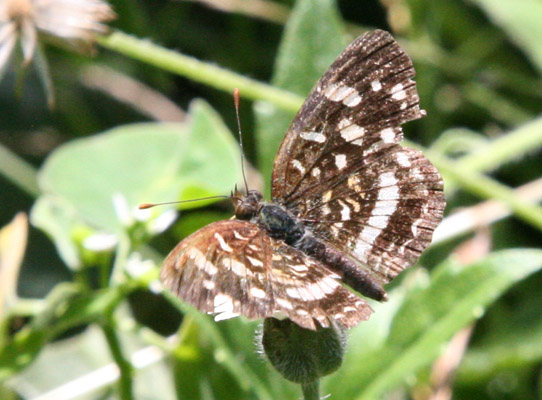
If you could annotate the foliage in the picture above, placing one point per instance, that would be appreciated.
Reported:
(88, 300)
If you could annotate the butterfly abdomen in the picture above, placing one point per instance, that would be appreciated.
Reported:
(352, 274)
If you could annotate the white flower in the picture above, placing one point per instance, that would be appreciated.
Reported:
(75, 22)
(130, 215)
(100, 242)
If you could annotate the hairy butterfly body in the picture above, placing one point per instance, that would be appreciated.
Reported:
(349, 205)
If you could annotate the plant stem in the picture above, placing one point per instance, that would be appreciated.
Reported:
(192, 68)
(125, 367)
(311, 391)
(244, 375)
(121, 259)
(18, 171)
(524, 139)
(488, 188)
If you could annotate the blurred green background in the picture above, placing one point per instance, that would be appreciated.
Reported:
(137, 124)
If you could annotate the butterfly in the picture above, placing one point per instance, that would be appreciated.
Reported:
(350, 205)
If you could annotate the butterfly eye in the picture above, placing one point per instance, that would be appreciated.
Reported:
(245, 211)
(255, 194)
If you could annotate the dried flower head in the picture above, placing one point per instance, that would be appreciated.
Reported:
(75, 22)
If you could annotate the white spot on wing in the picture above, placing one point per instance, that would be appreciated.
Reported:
(351, 131)
(223, 307)
(361, 249)
(209, 285)
(379, 221)
(376, 85)
(238, 236)
(294, 293)
(223, 245)
(300, 268)
(209, 268)
(283, 303)
(257, 292)
(330, 90)
(387, 135)
(343, 123)
(358, 142)
(402, 160)
(387, 179)
(314, 136)
(345, 212)
(225, 315)
(370, 234)
(352, 100)
(384, 207)
(297, 165)
(316, 291)
(340, 161)
(255, 261)
(398, 92)
(336, 92)
(315, 172)
(238, 268)
(388, 193)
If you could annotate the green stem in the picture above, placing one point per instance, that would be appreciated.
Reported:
(311, 391)
(124, 365)
(508, 147)
(121, 259)
(487, 188)
(246, 378)
(18, 171)
(192, 68)
(499, 107)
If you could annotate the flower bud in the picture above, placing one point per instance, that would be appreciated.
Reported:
(302, 355)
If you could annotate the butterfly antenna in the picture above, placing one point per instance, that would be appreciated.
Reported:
(236, 100)
(149, 205)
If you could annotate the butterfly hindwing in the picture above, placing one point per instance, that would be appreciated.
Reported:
(231, 268)
(382, 215)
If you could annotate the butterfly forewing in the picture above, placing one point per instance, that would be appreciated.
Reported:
(341, 171)
(231, 268)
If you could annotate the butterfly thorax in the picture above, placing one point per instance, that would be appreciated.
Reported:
(275, 219)
(280, 224)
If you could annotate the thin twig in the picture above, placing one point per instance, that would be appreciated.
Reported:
(127, 90)
(485, 213)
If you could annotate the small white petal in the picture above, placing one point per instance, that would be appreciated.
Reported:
(164, 221)
(100, 242)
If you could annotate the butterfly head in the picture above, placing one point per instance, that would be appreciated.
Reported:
(246, 207)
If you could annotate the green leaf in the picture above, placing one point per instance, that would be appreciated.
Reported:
(521, 20)
(430, 315)
(149, 162)
(313, 38)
